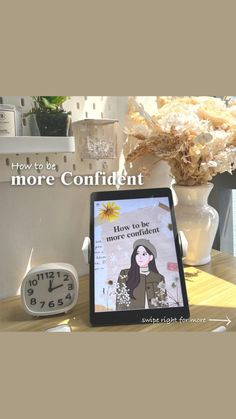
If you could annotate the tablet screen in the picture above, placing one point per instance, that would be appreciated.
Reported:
(135, 260)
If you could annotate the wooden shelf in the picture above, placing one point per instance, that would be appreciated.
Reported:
(31, 145)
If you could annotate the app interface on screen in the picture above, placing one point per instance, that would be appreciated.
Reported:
(135, 261)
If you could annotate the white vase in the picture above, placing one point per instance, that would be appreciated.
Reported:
(198, 220)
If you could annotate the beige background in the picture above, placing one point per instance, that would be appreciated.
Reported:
(120, 48)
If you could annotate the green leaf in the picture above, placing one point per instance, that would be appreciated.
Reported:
(48, 103)
(56, 100)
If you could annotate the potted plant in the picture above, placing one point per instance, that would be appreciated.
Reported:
(51, 118)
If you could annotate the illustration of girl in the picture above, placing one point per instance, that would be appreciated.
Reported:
(144, 285)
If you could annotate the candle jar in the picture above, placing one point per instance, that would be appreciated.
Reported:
(10, 120)
(97, 138)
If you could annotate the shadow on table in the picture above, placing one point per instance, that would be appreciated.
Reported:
(191, 276)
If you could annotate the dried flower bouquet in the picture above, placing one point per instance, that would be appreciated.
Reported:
(195, 135)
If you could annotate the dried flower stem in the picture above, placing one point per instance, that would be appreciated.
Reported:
(195, 135)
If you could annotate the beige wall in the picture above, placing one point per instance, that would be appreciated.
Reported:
(50, 222)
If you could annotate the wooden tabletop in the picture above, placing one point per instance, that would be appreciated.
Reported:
(211, 292)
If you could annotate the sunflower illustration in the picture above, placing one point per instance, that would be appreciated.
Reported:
(109, 212)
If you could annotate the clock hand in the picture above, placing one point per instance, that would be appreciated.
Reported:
(54, 288)
(50, 285)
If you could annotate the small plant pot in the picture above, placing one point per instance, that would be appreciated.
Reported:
(53, 124)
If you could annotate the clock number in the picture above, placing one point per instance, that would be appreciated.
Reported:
(34, 282)
(66, 277)
(51, 304)
(60, 302)
(40, 276)
(59, 274)
(33, 301)
(49, 275)
(70, 287)
(30, 291)
(68, 297)
(42, 303)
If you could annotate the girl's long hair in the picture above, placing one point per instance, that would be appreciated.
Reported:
(134, 275)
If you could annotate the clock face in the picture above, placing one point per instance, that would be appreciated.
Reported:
(51, 291)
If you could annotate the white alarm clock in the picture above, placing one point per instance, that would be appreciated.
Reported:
(50, 289)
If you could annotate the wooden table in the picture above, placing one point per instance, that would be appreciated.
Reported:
(211, 293)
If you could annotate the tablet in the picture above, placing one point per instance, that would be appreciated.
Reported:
(136, 272)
